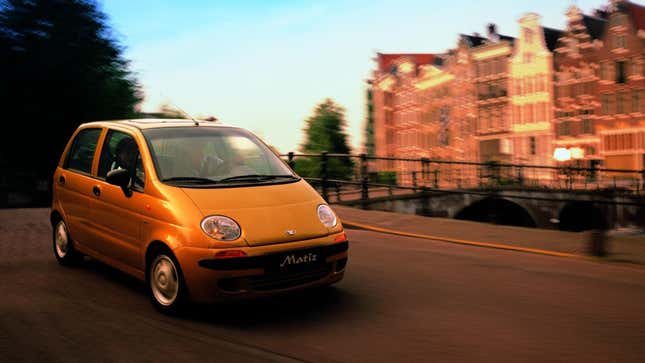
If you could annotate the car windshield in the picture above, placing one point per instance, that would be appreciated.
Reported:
(191, 156)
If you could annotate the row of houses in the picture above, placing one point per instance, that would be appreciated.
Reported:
(546, 97)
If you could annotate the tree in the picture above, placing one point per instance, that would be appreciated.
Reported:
(60, 66)
(324, 131)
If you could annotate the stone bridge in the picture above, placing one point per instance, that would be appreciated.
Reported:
(565, 210)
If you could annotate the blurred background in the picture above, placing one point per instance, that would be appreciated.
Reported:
(305, 77)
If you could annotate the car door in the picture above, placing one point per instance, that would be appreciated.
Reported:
(117, 216)
(73, 184)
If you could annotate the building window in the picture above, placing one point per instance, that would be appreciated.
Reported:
(636, 101)
(505, 114)
(530, 113)
(620, 104)
(528, 35)
(565, 128)
(617, 20)
(516, 114)
(532, 146)
(586, 126)
(604, 71)
(620, 72)
(528, 57)
(389, 137)
(636, 67)
(605, 104)
(619, 41)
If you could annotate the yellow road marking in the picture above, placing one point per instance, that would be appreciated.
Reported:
(537, 251)
(460, 241)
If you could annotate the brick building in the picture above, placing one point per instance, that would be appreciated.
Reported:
(523, 100)
(395, 104)
(491, 67)
(531, 92)
(447, 98)
(577, 101)
(621, 125)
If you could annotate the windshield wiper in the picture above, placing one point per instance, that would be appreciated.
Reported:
(190, 179)
(259, 177)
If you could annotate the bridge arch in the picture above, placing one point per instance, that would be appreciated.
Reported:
(581, 216)
(498, 211)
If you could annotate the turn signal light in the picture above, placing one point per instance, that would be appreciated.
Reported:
(230, 254)
(340, 238)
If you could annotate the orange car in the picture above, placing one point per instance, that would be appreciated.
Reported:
(200, 211)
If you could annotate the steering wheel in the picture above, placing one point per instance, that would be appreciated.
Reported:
(214, 166)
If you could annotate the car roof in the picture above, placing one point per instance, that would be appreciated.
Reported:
(153, 123)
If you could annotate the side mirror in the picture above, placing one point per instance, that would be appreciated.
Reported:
(120, 178)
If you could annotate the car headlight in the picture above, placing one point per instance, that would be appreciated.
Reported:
(326, 216)
(221, 228)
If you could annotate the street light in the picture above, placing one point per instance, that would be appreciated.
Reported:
(562, 154)
(577, 153)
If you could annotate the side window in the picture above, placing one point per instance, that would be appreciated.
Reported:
(81, 153)
(120, 151)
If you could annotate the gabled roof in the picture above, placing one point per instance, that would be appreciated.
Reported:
(551, 37)
(472, 40)
(385, 61)
(637, 13)
(507, 38)
(595, 26)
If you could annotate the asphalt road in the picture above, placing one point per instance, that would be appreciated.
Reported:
(403, 299)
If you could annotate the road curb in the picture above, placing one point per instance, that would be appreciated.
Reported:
(498, 246)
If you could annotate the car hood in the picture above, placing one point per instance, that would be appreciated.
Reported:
(267, 214)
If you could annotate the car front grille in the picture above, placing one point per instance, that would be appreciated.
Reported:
(275, 280)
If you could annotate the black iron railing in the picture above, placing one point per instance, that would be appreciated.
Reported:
(389, 175)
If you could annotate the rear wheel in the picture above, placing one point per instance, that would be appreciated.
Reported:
(63, 245)
(165, 282)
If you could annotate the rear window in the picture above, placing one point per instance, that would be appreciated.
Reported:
(81, 154)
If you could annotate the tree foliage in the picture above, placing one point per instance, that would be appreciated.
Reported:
(60, 66)
(324, 131)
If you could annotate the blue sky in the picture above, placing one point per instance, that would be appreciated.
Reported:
(264, 65)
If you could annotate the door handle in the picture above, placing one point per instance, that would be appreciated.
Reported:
(96, 190)
(61, 180)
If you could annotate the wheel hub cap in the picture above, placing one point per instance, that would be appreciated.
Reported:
(62, 241)
(164, 280)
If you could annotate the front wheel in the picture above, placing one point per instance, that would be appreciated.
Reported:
(166, 285)
(63, 245)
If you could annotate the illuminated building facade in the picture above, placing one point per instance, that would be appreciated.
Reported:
(531, 92)
(395, 104)
(621, 124)
(577, 102)
(491, 67)
(577, 93)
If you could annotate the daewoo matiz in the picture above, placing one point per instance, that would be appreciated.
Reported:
(198, 210)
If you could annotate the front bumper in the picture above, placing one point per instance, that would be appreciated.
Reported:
(209, 279)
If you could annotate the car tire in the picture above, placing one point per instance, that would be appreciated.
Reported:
(63, 245)
(165, 283)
